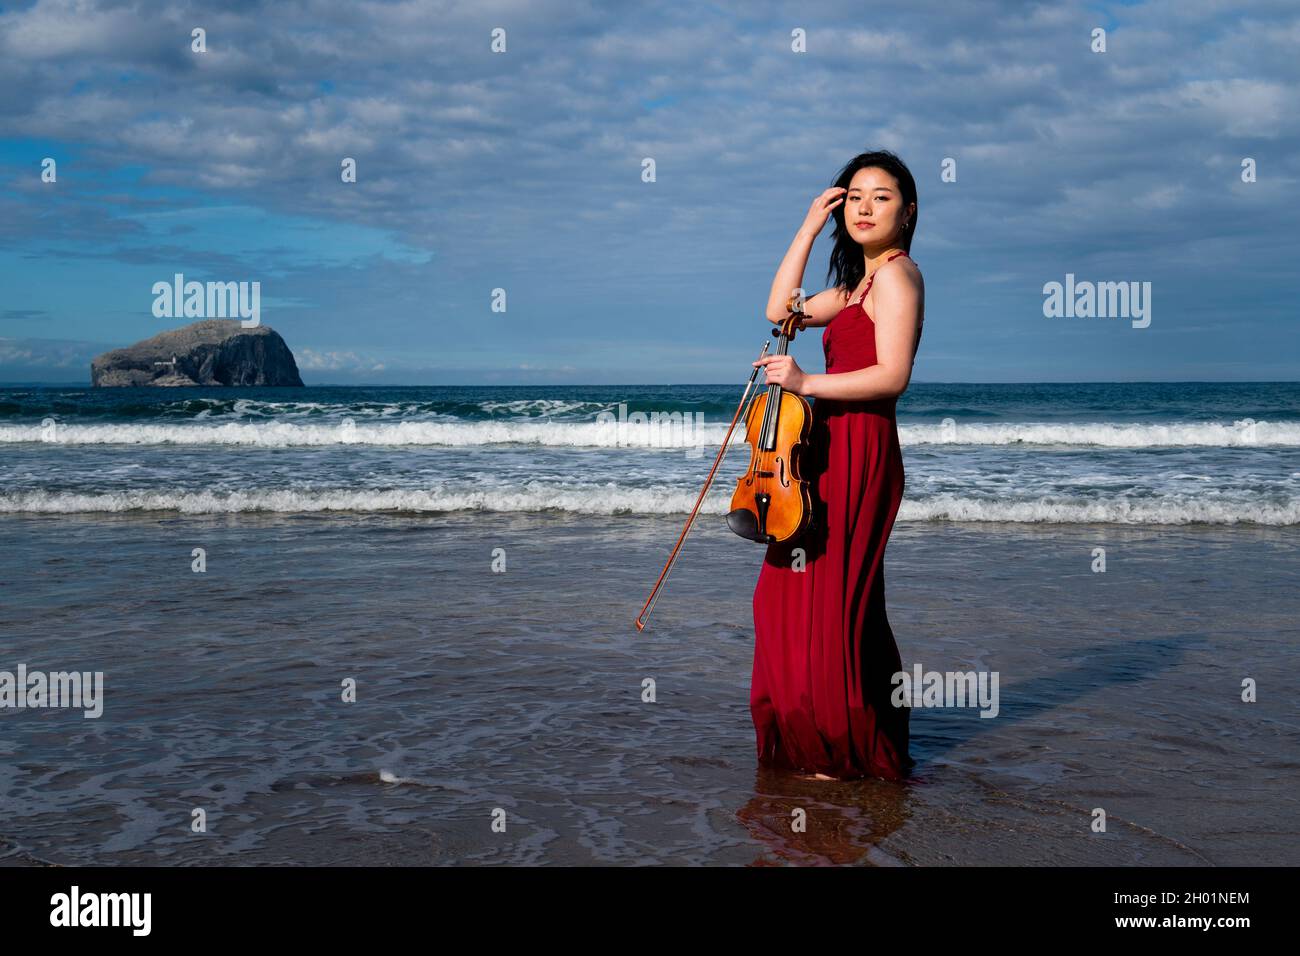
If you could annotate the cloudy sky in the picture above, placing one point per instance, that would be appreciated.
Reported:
(522, 170)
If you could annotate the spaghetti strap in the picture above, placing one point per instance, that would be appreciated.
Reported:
(863, 298)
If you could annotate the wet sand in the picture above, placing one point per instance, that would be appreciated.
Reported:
(521, 692)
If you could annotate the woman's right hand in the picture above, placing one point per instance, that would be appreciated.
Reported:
(821, 208)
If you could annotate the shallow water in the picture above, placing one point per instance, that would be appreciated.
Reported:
(521, 692)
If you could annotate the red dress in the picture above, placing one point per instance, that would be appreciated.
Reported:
(824, 654)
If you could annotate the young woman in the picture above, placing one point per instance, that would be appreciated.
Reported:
(824, 654)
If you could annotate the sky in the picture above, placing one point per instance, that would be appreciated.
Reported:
(482, 169)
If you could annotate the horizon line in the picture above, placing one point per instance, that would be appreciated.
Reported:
(184, 388)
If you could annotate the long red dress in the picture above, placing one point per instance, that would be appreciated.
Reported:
(824, 654)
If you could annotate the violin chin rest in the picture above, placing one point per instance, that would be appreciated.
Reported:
(744, 523)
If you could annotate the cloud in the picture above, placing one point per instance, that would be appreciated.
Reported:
(311, 359)
(522, 169)
(49, 353)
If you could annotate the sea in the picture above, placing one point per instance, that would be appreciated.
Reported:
(395, 626)
(1137, 454)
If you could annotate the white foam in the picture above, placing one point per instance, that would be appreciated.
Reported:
(1243, 433)
(610, 499)
(452, 434)
(1160, 511)
(594, 434)
(599, 500)
(540, 406)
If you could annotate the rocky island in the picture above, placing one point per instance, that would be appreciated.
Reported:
(210, 352)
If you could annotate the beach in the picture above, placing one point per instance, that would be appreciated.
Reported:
(361, 364)
(516, 695)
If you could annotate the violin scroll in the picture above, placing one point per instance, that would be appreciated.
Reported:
(790, 325)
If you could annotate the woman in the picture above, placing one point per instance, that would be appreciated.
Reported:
(824, 654)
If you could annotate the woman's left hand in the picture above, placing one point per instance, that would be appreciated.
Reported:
(783, 370)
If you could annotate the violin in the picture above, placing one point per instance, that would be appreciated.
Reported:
(772, 502)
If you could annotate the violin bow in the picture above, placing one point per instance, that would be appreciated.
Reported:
(644, 616)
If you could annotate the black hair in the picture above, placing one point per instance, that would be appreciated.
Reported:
(846, 265)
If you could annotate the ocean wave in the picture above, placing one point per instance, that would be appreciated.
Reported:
(210, 408)
(661, 433)
(610, 499)
(664, 434)
(540, 406)
(1244, 433)
(1157, 511)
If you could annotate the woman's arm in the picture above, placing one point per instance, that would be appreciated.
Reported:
(896, 311)
(825, 305)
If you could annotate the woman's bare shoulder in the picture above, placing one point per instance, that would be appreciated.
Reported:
(898, 275)
(902, 266)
